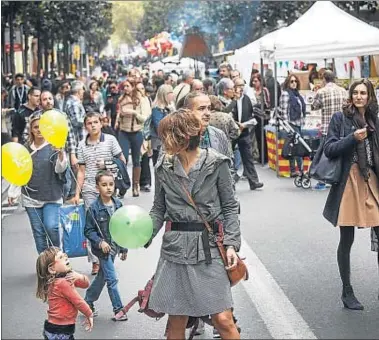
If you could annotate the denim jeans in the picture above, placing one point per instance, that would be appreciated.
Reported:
(106, 274)
(43, 218)
(299, 160)
(89, 198)
(237, 159)
(132, 140)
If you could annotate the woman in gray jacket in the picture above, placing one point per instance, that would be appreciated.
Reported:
(191, 279)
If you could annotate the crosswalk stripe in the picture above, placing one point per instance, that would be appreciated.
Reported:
(9, 208)
(282, 319)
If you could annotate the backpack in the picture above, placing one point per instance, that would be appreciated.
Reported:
(147, 126)
(142, 298)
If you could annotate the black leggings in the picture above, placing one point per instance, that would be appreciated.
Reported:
(343, 252)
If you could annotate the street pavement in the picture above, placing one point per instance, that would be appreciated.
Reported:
(294, 290)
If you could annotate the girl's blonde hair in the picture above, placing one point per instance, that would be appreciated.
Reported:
(161, 97)
(32, 119)
(44, 277)
(176, 129)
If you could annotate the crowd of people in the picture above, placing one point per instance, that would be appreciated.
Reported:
(197, 133)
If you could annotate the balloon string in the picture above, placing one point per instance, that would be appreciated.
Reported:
(43, 225)
(87, 206)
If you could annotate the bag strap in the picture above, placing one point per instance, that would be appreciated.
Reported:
(210, 230)
(342, 130)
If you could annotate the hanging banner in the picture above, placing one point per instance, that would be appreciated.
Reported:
(287, 64)
(351, 63)
(17, 40)
(280, 64)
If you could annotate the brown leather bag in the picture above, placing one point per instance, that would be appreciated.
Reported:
(239, 272)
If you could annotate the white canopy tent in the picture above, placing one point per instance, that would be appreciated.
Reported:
(326, 31)
(246, 56)
(342, 37)
(169, 64)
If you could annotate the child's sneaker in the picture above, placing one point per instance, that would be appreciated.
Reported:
(93, 309)
(120, 316)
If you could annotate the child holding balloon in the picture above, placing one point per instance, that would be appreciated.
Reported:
(97, 231)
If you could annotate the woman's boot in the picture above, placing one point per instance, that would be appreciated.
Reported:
(349, 300)
(136, 179)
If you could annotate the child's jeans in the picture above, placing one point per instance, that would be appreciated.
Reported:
(106, 274)
(54, 336)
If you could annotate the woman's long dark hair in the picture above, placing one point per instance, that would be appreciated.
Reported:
(371, 113)
(287, 82)
(135, 95)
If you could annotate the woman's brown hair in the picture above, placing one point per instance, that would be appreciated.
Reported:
(135, 95)
(176, 129)
(372, 103)
(255, 76)
(44, 277)
(287, 82)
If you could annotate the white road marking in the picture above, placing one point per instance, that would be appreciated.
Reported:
(13, 208)
(5, 215)
(282, 319)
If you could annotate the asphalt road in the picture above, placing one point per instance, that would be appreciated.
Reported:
(294, 290)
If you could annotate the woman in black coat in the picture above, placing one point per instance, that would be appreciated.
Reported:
(354, 201)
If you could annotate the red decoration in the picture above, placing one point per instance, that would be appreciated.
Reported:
(301, 65)
(351, 63)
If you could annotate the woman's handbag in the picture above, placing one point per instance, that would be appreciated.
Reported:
(293, 148)
(326, 169)
(239, 272)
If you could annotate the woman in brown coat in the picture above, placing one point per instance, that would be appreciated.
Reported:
(354, 201)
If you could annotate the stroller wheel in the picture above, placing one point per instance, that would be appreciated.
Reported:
(306, 183)
(297, 181)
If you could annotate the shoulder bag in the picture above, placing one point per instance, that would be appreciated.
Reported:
(239, 272)
(326, 169)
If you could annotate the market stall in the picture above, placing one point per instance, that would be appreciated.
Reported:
(348, 39)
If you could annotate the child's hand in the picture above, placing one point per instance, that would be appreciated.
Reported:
(73, 276)
(88, 324)
(105, 247)
(123, 256)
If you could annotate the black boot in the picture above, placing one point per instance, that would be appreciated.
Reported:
(349, 300)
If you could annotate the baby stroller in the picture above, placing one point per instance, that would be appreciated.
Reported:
(297, 146)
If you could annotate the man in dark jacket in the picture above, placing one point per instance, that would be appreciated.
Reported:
(270, 84)
(21, 117)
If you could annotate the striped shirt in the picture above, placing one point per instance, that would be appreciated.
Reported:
(89, 154)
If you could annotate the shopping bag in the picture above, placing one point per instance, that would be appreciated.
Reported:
(72, 220)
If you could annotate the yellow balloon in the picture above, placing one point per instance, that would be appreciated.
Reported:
(54, 128)
(16, 163)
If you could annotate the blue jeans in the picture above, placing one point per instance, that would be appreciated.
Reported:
(299, 160)
(43, 218)
(237, 159)
(132, 140)
(106, 274)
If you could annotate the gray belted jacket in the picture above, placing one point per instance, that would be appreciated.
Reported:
(213, 193)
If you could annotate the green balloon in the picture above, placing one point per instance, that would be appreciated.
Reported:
(131, 227)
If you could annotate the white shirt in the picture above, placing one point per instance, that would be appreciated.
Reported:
(239, 108)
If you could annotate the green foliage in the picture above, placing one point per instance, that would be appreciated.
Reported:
(60, 20)
(126, 17)
(157, 17)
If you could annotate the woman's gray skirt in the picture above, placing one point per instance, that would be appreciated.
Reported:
(192, 290)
